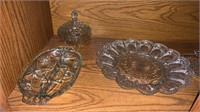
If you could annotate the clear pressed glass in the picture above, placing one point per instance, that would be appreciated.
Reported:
(194, 61)
(146, 66)
(49, 74)
(74, 32)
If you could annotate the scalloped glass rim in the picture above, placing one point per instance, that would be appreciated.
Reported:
(176, 71)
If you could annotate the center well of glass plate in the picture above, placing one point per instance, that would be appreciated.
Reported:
(141, 68)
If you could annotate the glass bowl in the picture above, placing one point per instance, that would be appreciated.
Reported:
(49, 74)
(146, 66)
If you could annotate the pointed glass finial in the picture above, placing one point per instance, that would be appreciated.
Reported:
(74, 16)
(74, 32)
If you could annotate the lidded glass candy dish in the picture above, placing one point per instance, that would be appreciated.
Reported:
(49, 74)
(143, 65)
(74, 32)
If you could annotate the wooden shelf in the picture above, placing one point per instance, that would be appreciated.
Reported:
(93, 92)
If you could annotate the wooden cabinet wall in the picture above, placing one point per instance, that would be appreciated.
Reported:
(158, 20)
(25, 29)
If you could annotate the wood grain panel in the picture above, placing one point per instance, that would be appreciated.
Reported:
(4, 106)
(196, 106)
(169, 20)
(92, 92)
(25, 29)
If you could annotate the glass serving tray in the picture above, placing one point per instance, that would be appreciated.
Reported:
(49, 74)
(146, 66)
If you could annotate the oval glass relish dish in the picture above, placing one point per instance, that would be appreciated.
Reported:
(50, 74)
(143, 65)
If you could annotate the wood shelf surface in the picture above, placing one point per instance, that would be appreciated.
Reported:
(94, 93)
